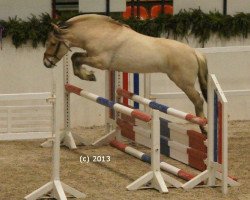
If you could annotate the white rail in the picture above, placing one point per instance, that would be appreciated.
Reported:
(176, 95)
(228, 49)
(26, 122)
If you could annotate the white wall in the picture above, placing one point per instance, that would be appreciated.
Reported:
(238, 6)
(89, 6)
(233, 6)
(205, 5)
(24, 8)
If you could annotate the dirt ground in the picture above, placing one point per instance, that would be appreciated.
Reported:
(24, 167)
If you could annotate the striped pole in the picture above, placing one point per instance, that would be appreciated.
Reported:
(105, 102)
(178, 150)
(163, 108)
(194, 157)
(125, 86)
(136, 88)
(146, 158)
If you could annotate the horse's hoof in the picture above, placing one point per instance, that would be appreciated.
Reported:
(91, 77)
(203, 130)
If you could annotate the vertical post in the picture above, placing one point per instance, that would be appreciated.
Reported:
(125, 81)
(224, 7)
(162, 6)
(136, 88)
(147, 89)
(220, 133)
(138, 10)
(53, 9)
(155, 141)
(215, 132)
(107, 95)
(224, 149)
(132, 8)
(56, 143)
(66, 96)
(107, 7)
(210, 138)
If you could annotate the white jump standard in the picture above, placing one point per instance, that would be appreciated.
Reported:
(216, 145)
(55, 188)
(154, 178)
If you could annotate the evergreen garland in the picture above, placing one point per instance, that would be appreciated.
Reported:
(194, 22)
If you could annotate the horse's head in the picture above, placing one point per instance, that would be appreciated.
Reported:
(56, 48)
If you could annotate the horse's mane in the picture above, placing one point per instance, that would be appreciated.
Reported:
(85, 17)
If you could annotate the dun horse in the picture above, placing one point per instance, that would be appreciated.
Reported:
(111, 45)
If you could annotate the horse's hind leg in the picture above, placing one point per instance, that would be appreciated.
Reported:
(81, 72)
(198, 102)
(187, 86)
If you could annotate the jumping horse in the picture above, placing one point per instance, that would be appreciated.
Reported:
(111, 45)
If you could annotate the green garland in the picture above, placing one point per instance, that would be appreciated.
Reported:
(34, 30)
(195, 22)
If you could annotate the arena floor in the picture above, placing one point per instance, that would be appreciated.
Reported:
(24, 166)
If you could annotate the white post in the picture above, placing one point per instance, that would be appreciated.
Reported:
(155, 178)
(211, 173)
(56, 145)
(155, 145)
(147, 89)
(224, 164)
(55, 188)
(210, 137)
(67, 137)
(107, 120)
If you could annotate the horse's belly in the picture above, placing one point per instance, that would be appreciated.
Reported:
(134, 68)
(141, 63)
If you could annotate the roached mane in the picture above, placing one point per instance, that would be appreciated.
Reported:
(68, 23)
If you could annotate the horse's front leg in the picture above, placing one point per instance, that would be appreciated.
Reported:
(79, 70)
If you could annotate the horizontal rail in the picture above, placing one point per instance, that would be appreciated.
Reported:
(229, 49)
(176, 95)
(162, 108)
(25, 136)
(146, 158)
(105, 102)
(25, 96)
(33, 129)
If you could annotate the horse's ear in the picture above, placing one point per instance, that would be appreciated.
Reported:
(61, 34)
(63, 25)
(56, 29)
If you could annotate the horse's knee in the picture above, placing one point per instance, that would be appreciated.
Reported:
(74, 56)
(76, 60)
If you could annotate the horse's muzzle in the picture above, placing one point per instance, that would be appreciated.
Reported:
(48, 63)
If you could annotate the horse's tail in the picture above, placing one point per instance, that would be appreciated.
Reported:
(202, 73)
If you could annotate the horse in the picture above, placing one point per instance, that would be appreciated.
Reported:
(111, 45)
